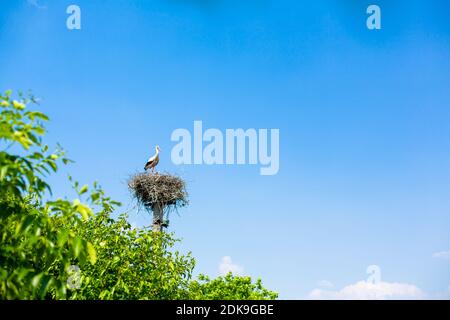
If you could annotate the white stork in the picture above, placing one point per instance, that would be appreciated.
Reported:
(153, 161)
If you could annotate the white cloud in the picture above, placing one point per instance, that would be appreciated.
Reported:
(363, 290)
(325, 284)
(442, 255)
(226, 265)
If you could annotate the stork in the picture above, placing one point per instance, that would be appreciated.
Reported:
(153, 161)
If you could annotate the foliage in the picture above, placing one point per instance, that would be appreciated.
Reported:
(41, 239)
(229, 287)
(132, 263)
(34, 253)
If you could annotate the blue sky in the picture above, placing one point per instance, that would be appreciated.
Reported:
(363, 116)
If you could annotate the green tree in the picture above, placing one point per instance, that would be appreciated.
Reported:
(229, 287)
(34, 253)
(132, 263)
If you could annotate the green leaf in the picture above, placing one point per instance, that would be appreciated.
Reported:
(66, 161)
(36, 114)
(24, 224)
(83, 189)
(36, 280)
(18, 105)
(92, 253)
(95, 196)
(77, 246)
(45, 284)
(84, 210)
(39, 130)
(62, 237)
(3, 172)
(103, 294)
(53, 165)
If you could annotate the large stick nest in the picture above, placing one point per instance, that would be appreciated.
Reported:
(156, 189)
